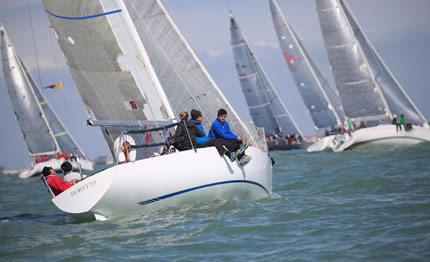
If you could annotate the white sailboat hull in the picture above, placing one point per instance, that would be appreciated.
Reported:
(324, 143)
(381, 136)
(170, 180)
(36, 169)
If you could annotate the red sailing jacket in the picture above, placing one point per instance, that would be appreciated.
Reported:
(57, 184)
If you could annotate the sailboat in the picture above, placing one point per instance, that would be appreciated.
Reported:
(43, 132)
(369, 93)
(121, 88)
(264, 104)
(320, 98)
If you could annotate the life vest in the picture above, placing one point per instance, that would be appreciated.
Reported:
(125, 147)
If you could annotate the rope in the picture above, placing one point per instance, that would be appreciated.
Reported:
(34, 43)
(147, 138)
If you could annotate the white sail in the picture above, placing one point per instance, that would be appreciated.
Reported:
(319, 97)
(397, 99)
(264, 104)
(110, 66)
(360, 94)
(42, 130)
(185, 80)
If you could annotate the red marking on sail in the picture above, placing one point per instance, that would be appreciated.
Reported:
(290, 60)
(280, 26)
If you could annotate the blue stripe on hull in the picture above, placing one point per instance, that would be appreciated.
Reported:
(83, 17)
(200, 187)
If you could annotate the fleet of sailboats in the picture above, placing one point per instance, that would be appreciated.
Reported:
(266, 108)
(369, 93)
(134, 70)
(43, 132)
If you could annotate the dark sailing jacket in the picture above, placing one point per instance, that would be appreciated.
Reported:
(193, 132)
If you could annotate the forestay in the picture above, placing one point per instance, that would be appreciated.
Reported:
(42, 130)
(183, 77)
(360, 95)
(264, 104)
(396, 98)
(111, 68)
(319, 97)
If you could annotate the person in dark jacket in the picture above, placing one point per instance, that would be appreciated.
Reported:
(188, 131)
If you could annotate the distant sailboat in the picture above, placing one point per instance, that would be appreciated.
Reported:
(41, 129)
(120, 87)
(264, 104)
(320, 98)
(369, 93)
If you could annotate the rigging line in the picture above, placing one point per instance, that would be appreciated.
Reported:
(168, 59)
(34, 43)
(56, 63)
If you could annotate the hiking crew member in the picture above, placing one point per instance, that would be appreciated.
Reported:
(188, 130)
(69, 175)
(56, 184)
(220, 129)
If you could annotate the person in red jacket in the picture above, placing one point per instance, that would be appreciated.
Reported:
(57, 184)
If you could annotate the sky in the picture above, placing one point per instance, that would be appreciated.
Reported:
(398, 29)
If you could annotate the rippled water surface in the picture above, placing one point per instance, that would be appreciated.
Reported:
(350, 206)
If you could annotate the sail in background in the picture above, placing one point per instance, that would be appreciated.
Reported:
(397, 99)
(319, 97)
(185, 80)
(264, 104)
(42, 130)
(110, 67)
(360, 94)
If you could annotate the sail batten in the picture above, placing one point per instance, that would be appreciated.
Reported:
(323, 105)
(264, 104)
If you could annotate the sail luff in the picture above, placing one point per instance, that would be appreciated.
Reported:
(351, 18)
(185, 80)
(256, 66)
(360, 95)
(264, 104)
(273, 90)
(305, 72)
(311, 64)
(150, 69)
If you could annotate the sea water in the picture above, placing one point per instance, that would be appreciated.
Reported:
(349, 206)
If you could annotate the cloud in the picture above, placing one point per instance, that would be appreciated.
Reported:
(213, 53)
(263, 43)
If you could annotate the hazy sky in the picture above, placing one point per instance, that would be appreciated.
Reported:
(399, 30)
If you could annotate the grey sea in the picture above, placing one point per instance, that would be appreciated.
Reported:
(349, 206)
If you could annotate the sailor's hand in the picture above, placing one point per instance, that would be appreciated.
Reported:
(240, 138)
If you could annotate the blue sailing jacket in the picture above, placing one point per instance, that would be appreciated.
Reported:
(221, 130)
(201, 140)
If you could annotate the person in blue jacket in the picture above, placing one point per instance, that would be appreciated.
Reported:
(220, 129)
(197, 118)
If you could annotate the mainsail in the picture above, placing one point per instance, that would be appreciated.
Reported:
(397, 99)
(42, 130)
(359, 92)
(111, 68)
(264, 104)
(319, 97)
(183, 77)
